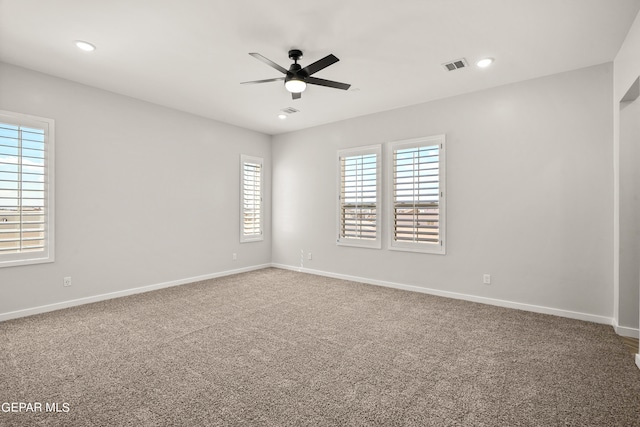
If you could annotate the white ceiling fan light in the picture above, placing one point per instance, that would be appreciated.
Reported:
(295, 85)
(484, 62)
(84, 46)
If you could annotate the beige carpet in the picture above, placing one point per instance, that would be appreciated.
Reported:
(276, 348)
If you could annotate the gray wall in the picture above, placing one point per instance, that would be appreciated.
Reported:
(626, 143)
(529, 178)
(529, 181)
(144, 194)
(629, 213)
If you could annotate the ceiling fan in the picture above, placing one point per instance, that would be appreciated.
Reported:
(297, 78)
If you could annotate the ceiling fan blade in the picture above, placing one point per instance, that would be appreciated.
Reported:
(296, 95)
(278, 79)
(320, 64)
(327, 83)
(269, 62)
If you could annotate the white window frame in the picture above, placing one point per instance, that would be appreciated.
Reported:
(414, 246)
(47, 253)
(360, 242)
(254, 237)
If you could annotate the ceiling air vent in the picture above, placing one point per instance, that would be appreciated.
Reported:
(290, 110)
(454, 65)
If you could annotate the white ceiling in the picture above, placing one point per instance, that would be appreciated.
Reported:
(191, 55)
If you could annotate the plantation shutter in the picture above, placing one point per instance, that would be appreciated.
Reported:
(358, 211)
(23, 185)
(417, 191)
(251, 199)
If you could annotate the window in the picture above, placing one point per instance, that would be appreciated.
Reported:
(417, 208)
(251, 199)
(26, 189)
(359, 197)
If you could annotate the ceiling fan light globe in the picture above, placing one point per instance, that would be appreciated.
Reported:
(295, 86)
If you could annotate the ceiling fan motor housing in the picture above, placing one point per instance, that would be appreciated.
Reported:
(295, 71)
(295, 54)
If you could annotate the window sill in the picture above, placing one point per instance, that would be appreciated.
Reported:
(371, 245)
(431, 249)
(251, 239)
(25, 261)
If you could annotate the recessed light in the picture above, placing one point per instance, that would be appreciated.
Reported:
(282, 116)
(86, 46)
(484, 63)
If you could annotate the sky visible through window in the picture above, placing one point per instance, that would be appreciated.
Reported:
(22, 167)
(416, 175)
(359, 181)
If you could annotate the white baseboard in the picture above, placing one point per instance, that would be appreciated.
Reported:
(630, 332)
(483, 300)
(87, 300)
(638, 360)
(625, 331)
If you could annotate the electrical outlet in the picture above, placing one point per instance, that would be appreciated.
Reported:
(234, 256)
(486, 279)
(309, 256)
(66, 282)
